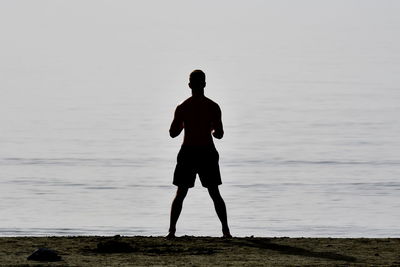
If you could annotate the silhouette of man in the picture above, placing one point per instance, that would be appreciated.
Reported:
(201, 119)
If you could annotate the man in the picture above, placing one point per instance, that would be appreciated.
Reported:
(201, 119)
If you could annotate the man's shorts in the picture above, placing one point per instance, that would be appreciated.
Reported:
(202, 160)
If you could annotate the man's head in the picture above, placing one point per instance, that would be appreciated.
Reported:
(197, 80)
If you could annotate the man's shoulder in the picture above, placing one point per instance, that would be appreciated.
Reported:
(184, 103)
(213, 105)
(211, 102)
(182, 106)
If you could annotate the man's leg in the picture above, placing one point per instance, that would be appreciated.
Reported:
(176, 209)
(220, 208)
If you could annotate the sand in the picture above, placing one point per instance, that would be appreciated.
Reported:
(203, 251)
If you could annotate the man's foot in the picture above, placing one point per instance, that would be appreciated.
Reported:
(170, 235)
(226, 234)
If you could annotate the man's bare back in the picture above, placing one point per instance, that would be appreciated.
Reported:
(200, 117)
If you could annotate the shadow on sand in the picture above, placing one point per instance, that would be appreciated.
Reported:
(289, 250)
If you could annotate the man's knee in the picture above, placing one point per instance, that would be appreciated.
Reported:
(181, 193)
(214, 193)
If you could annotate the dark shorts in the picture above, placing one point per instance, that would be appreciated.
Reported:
(202, 160)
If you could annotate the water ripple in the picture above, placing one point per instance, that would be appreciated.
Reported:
(86, 162)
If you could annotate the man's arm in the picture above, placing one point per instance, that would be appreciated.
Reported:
(218, 130)
(177, 124)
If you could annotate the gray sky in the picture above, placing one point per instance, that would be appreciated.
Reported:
(144, 45)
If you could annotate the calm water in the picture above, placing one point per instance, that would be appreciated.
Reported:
(310, 95)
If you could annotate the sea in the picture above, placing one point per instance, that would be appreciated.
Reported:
(310, 98)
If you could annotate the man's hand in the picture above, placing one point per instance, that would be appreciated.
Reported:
(218, 134)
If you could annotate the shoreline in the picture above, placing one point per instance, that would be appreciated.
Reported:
(202, 251)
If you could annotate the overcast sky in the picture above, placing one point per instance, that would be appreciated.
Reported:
(147, 45)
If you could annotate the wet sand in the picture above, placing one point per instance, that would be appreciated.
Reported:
(203, 251)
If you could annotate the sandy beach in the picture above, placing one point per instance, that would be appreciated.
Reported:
(202, 251)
